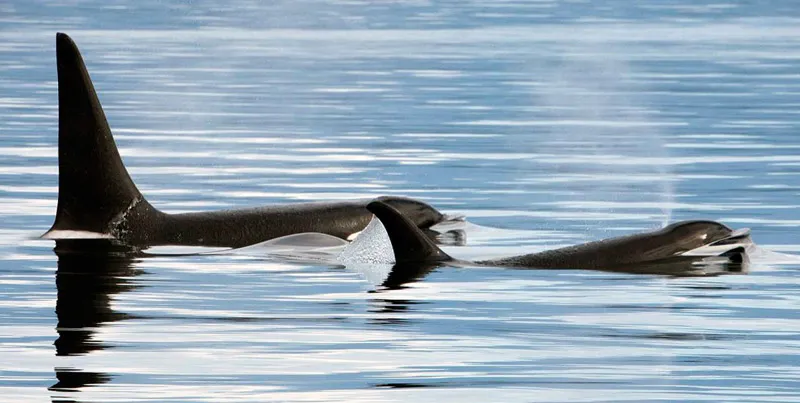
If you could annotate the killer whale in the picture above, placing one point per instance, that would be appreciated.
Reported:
(97, 196)
(655, 252)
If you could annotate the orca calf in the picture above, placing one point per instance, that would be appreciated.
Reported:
(97, 198)
(656, 252)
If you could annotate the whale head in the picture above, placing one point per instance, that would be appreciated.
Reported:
(688, 235)
(420, 213)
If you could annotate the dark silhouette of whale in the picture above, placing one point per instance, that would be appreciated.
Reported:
(97, 196)
(656, 252)
(89, 274)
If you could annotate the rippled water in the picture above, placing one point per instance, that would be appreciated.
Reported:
(544, 123)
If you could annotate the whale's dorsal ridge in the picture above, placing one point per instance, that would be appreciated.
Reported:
(409, 243)
(94, 187)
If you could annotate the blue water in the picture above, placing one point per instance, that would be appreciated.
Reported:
(557, 122)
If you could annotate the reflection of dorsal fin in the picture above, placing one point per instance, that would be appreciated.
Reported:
(410, 244)
(94, 187)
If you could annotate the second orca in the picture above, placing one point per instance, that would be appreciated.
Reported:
(657, 252)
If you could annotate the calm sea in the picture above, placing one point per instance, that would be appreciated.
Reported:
(544, 123)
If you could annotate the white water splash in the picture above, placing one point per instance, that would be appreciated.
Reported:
(371, 246)
(370, 254)
(70, 234)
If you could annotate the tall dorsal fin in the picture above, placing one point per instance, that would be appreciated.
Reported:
(94, 187)
(410, 244)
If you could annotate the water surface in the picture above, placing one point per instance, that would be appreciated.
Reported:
(555, 122)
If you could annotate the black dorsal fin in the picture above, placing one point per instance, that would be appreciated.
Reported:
(410, 244)
(94, 188)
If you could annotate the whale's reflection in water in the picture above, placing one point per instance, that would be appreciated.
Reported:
(93, 273)
(90, 272)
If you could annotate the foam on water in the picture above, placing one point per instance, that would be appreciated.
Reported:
(70, 234)
(372, 246)
(370, 254)
(769, 257)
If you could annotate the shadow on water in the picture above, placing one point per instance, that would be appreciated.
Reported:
(673, 267)
(90, 273)
(404, 273)
(390, 312)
